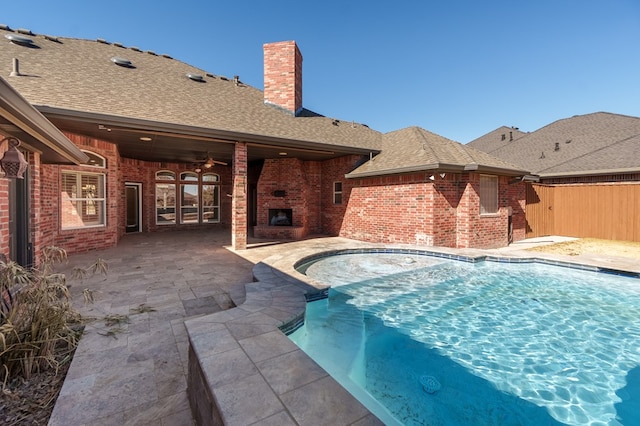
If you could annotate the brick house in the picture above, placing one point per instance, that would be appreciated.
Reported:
(155, 145)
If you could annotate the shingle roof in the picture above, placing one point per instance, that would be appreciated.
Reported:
(496, 139)
(79, 75)
(584, 144)
(416, 149)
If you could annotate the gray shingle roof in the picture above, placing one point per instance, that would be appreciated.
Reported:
(79, 75)
(496, 139)
(584, 144)
(416, 149)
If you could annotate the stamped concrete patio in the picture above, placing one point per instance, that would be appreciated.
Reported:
(132, 362)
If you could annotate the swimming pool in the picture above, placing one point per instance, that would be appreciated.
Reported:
(424, 340)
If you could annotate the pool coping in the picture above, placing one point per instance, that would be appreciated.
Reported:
(243, 369)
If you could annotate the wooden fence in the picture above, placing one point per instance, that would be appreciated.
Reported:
(604, 210)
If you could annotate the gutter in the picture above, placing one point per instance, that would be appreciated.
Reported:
(47, 138)
(598, 172)
(452, 168)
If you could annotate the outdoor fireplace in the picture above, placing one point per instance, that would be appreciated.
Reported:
(280, 217)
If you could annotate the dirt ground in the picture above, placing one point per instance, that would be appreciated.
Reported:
(593, 246)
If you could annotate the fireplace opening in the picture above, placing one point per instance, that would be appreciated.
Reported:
(280, 217)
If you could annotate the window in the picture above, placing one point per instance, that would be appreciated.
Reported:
(337, 192)
(199, 198)
(165, 198)
(82, 200)
(96, 160)
(210, 198)
(488, 194)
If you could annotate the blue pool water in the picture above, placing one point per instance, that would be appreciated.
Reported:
(428, 341)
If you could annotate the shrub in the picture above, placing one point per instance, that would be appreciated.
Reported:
(37, 320)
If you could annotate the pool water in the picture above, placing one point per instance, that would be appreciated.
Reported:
(422, 340)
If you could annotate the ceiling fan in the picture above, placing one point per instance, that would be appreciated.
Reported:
(208, 163)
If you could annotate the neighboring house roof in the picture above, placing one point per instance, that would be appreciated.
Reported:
(21, 120)
(591, 144)
(496, 139)
(415, 149)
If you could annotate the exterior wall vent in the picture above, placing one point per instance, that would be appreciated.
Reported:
(122, 62)
(21, 40)
(196, 77)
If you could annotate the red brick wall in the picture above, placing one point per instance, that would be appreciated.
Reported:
(283, 75)
(390, 209)
(483, 231)
(80, 240)
(239, 200)
(331, 215)
(46, 199)
(4, 216)
(136, 171)
(414, 209)
(36, 208)
(300, 181)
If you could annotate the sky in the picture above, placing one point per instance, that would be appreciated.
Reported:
(458, 68)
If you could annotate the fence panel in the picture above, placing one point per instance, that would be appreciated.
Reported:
(605, 210)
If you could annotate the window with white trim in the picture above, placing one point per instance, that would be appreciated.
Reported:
(488, 194)
(83, 202)
(96, 160)
(337, 192)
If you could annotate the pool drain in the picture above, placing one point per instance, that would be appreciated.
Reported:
(430, 384)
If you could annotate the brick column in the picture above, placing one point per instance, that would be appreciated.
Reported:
(239, 200)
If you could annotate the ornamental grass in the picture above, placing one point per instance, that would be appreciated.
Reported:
(37, 320)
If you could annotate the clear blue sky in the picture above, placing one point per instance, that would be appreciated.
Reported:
(459, 68)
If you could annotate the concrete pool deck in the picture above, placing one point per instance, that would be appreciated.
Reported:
(136, 370)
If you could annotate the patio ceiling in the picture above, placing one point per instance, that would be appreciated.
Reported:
(185, 144)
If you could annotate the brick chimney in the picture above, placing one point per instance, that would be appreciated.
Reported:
(283, 76)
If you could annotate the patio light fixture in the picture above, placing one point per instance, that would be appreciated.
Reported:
(13, 163)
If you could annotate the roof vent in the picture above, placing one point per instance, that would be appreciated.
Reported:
(134, 48)
(103, 41)
(211, 75)
(196, 77)
(122, 62)
(118, 45)
(15, 68)
(21, 40)
(151, 52)
(52, 38)
(164, 55)
(222, 77)
(24, 31)
(557, 148)
(5, 27)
